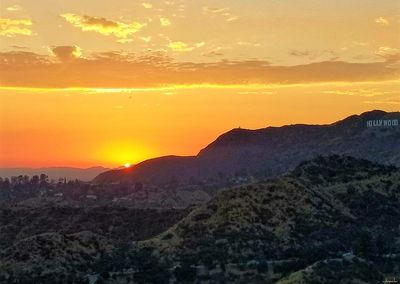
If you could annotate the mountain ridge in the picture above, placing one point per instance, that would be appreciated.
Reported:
(270, 151)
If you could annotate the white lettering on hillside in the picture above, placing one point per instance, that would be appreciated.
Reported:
(383, 123)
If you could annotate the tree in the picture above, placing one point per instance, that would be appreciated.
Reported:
(363, 244)
(185, 273)
(138, 186)
(44, 179)
(100, 280)
(35, 180)
(6, 183)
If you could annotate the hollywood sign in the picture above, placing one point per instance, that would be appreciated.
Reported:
(383, 123)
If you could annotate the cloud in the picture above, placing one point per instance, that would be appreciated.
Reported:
(359, 92)
(14, 8)
(382, 21)
(386, 50)
(103, 26)
(20, 47)
(231, 19)
(246, 43)
(180, 46)
(147, 5)
(220, 12)
(388, 53)
(165, 22)
(146, 38)
(152, 70)
(13, 27)
(200, 44)
(66, 53)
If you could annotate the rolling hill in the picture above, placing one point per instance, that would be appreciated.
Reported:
(324, 209)
(332, 219)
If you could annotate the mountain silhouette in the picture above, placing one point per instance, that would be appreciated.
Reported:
(270, 151)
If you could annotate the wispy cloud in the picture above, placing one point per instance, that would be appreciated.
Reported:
(388, 53)
(232, 18)
(19, 47)
(165, 22)
(146, 38)
(220, 12)
(147, 5)
(180, 46)
(382, 21)
(359, 92)
(200, 44)
(13, 27)
(103, 25)
(246, 43)
(14, 8)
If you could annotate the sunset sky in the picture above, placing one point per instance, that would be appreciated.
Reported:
(86, 83)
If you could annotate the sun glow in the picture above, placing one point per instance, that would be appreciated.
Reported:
(118, 153)
(111, 127)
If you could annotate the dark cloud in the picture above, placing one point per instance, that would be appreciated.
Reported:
(66, 53)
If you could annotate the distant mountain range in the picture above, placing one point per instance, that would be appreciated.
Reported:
(270, 151)
(55, 172)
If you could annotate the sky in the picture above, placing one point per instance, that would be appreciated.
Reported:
(88, 83)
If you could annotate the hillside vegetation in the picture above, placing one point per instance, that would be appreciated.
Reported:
(324, 209)
(332, 219)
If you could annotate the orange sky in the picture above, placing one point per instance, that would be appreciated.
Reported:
(87, 83)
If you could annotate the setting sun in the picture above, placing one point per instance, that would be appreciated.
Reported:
(118, 153)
